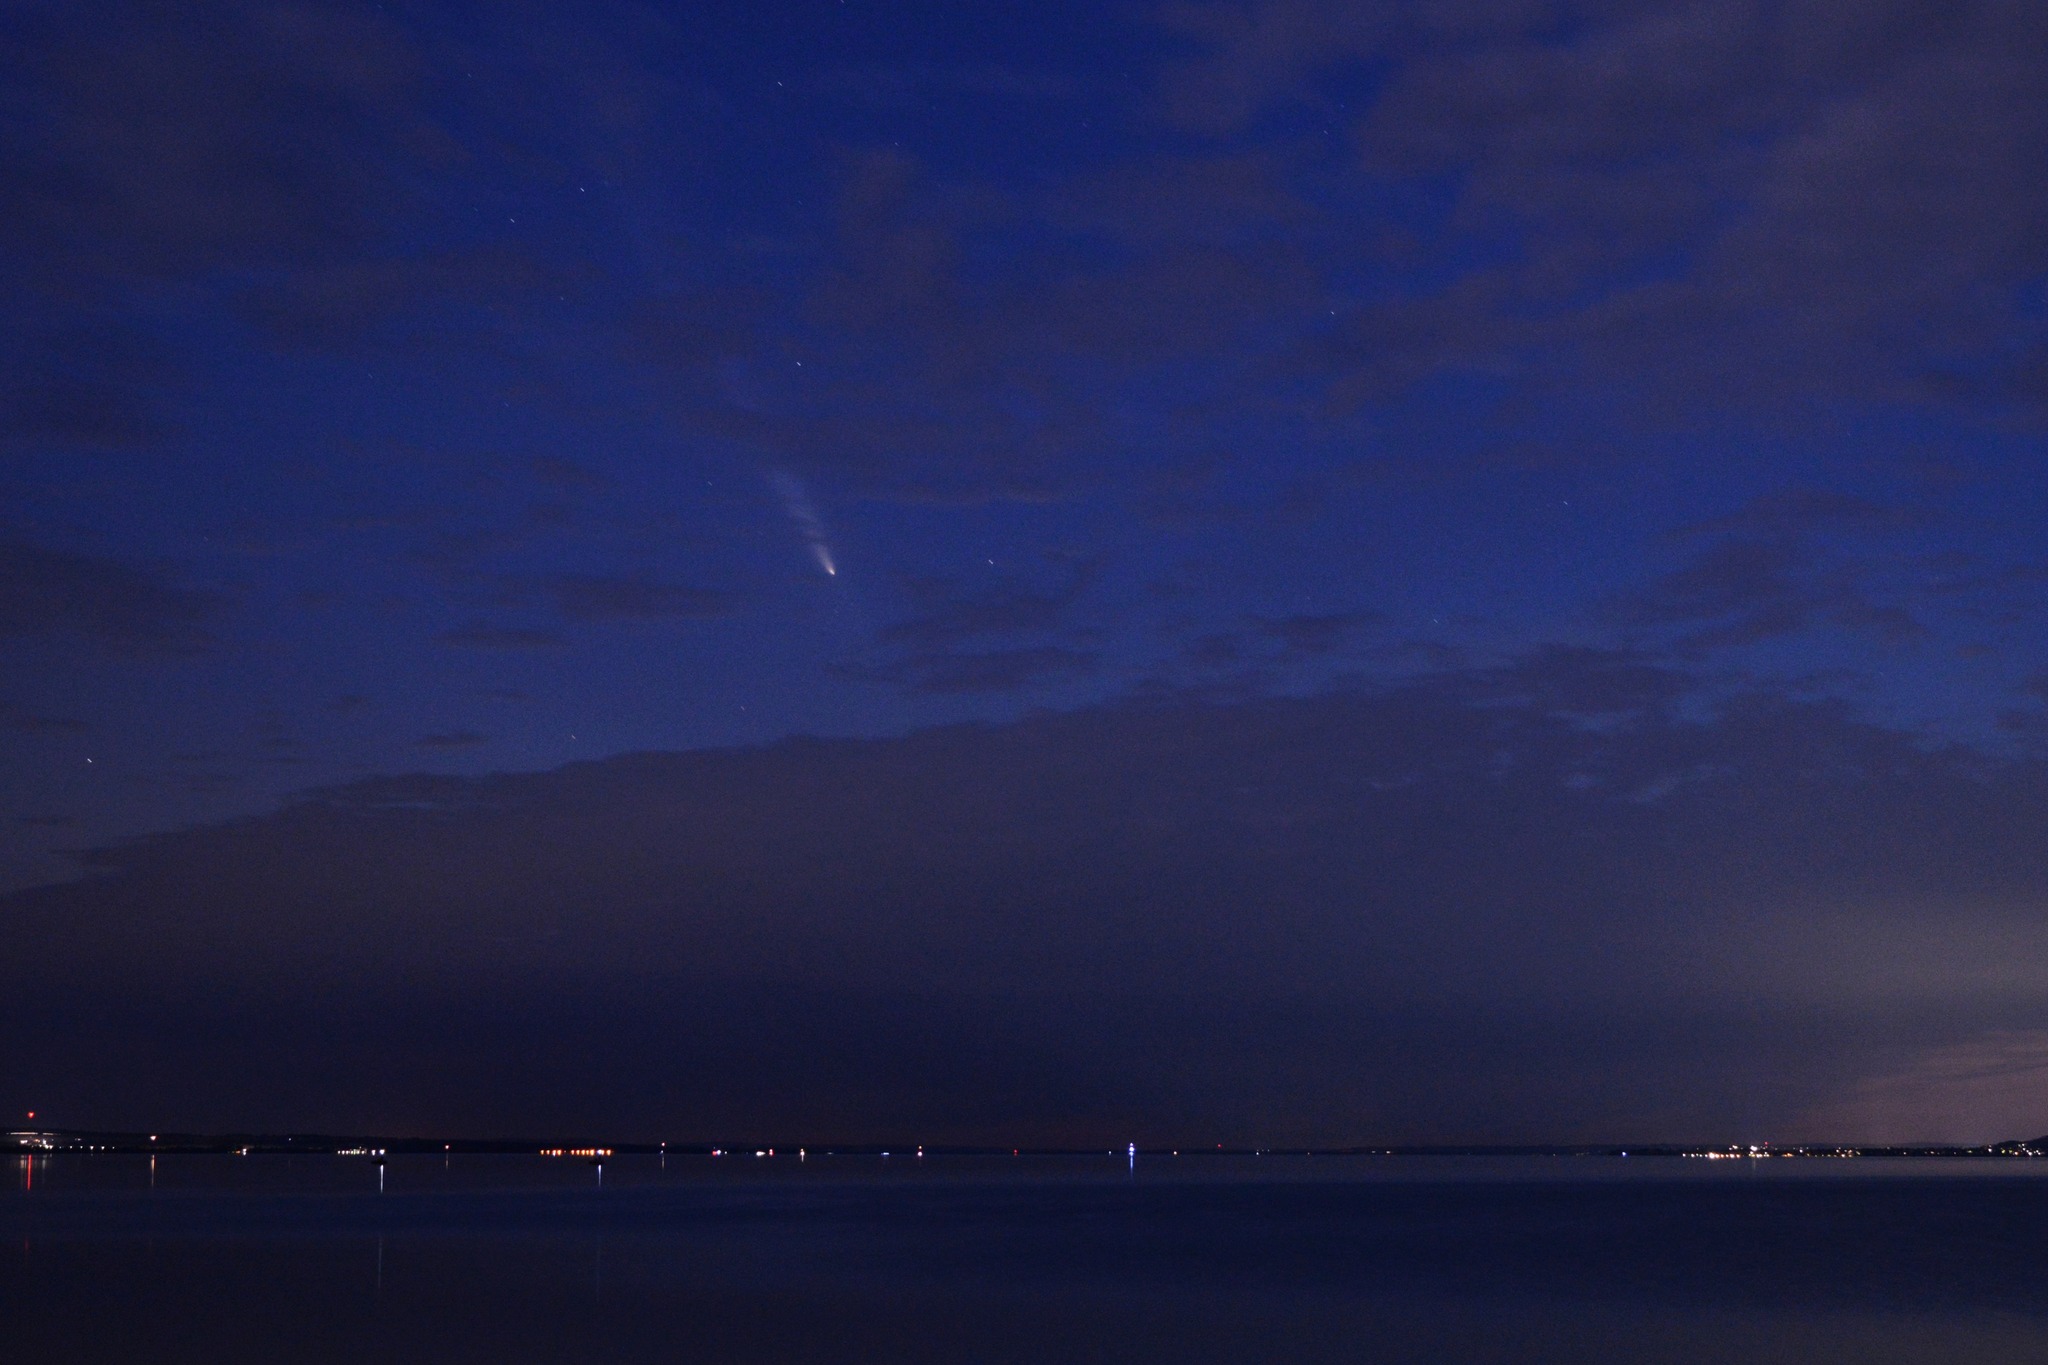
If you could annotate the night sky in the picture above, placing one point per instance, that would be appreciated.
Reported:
(1279, 571)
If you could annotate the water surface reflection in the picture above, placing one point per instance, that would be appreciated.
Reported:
(1208, 1259)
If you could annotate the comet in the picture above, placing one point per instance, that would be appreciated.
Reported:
(796, 501)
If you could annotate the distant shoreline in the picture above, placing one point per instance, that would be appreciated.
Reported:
(39, 1142)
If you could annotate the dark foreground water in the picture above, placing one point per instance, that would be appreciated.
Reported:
(509, 1259)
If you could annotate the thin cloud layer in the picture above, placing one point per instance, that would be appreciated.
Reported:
(1723, 203)
(594, 597)
(1553, 900)
(132, 609)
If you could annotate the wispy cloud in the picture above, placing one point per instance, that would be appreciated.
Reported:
(503, 637)
(45, 592)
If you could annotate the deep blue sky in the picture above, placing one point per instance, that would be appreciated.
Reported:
(479, 390)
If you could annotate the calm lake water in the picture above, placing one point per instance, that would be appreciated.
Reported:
(1056, 1259)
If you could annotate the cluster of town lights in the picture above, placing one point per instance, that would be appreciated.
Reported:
(35, 1141)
